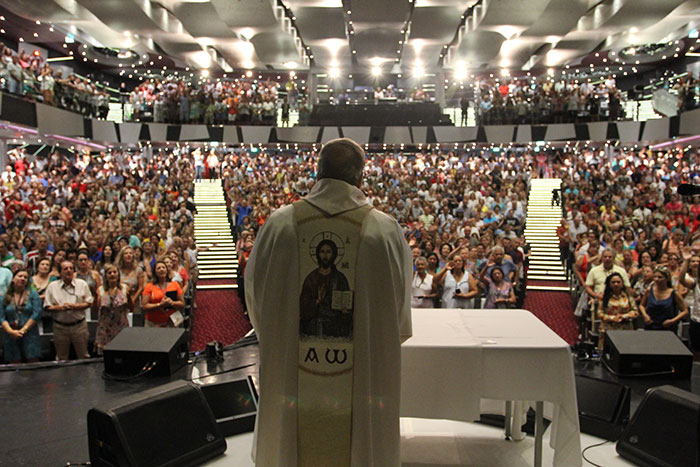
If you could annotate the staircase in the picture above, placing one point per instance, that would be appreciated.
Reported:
(541, 233)
(219, 264)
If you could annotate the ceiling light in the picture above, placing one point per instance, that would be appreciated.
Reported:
(202, 59)
(376, 71)
(418, 71)
(334, 73)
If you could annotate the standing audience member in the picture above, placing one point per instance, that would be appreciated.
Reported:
(423, 292)
(459, 287)
(661, 304)
(114, 302)
(500, 293)
(617, 309)
(67, 299)
(20, 310)
(162, 297)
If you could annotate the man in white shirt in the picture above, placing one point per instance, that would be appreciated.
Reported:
(68, 299)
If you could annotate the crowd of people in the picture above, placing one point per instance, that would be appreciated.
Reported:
(631, 240)
(122, 223)
(29, 76)
(221, 101)
(104, 237)
(463, 215)
(499, 101)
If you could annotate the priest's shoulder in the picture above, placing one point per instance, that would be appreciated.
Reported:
(381, 223)
(280, 222)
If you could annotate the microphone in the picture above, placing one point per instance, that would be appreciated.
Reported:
(687, 189)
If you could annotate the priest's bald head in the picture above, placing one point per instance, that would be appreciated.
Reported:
(342, 159)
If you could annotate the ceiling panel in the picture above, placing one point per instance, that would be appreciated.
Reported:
(246, 13)
(377, 42)
(439, 23)
(275, 47)
(202, 20)
(120, 15)
(320, 23)
(384, 11)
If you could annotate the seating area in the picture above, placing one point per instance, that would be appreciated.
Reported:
(144, 216)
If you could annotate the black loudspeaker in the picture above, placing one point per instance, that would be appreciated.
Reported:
(170, 425)
(134, 350)
(234, 404)
(664, 430)
(603, 407)
(646, 353)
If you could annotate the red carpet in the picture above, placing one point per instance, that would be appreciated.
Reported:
(555, 309)
(219, 317)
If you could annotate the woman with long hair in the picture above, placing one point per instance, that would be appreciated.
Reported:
(113, 304)
(106, 259)
(20, 310)
(58, 257)
(459, 287)
(131, 273)
(162, 297)
(40, 281)
(661, 303)
(617, 309)
(148, 260)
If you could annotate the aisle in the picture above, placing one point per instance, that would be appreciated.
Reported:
(219, 314)
(548, 295)
(541, 233)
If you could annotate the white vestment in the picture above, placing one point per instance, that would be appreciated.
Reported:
(382, 316)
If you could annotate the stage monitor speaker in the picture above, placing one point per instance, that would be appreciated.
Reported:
(646, 353)
(664, 430)
(170, 425)
(603, 407)
(234, 404)
(134, 350)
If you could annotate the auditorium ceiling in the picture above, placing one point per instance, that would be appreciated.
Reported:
(347, 35)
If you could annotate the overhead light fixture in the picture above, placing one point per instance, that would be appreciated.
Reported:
(203, 59)
(376, 71)
(334, 73)
(205, 73)
(418, 71)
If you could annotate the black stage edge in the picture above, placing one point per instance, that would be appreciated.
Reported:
(44, 411)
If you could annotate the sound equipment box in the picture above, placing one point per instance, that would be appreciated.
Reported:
(664, 430)
(646, 353)
(167, 426)
(603, 407)
(234, 404)
(134, 350)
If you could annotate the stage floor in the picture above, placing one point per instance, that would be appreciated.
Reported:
(43, 419)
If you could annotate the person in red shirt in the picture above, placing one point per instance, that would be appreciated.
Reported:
(157, 303)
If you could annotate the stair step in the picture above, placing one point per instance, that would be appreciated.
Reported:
(216, 286)
(547, 277)
(216, 276)
(549, 288)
